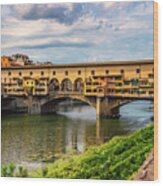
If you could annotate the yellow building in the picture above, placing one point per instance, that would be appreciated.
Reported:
(5, 61)
(124, 79)
(29, 85)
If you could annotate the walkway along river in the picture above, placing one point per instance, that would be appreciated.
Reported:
(33, 139)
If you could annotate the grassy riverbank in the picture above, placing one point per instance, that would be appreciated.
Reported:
(118, 159)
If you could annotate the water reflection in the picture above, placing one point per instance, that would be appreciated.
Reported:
(33, 138)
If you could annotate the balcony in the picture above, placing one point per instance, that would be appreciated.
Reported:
(149, 85)
(115, 80)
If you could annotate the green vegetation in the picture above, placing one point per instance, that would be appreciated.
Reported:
(118, 159)
(12, 171)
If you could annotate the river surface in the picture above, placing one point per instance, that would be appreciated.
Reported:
(42, 138)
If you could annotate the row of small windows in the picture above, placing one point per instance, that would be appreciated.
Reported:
(42, 73)
(79, 72)
(121, 71)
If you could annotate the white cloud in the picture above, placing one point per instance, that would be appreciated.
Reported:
(136, 25)
(36, 27)
(23, 9)
(108, 5)
(43, 41)
(107, 25)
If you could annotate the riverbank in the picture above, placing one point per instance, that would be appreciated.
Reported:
(118, 159)
(146, 171)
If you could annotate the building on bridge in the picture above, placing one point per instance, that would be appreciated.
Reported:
(5, 61)
(15, 60)
(111, 80)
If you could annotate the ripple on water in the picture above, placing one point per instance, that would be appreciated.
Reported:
(72, 130)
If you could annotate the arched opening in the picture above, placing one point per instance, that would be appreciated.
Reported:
(137, 110)
(20, 82)
(66, 105)
(78, 85)
(66, 85)
(54, 85)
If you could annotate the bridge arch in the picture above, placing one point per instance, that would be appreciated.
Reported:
(50, 106)
(105, 107)
(79, 85)
(66, 85)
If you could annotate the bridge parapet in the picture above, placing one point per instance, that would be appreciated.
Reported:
(64, 93)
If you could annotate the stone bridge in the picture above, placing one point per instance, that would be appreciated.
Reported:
(104, 86)
(106, 107)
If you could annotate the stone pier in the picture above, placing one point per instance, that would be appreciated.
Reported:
(106, 108)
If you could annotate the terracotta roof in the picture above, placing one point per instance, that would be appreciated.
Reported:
(95, 64)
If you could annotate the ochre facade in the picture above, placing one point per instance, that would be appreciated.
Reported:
(122, 79)
(5, 61)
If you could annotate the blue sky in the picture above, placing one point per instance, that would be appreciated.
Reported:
(79, 32)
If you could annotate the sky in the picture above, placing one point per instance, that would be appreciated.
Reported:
(78, 32)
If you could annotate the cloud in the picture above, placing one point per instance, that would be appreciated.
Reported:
(49, 43)
(78, 32)
(57, 44)
(33, 27)
(66, 13)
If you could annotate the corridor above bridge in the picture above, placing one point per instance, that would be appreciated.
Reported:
(120, 79)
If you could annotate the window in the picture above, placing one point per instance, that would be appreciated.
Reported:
(20, 73)
(93, 72)
(131, 91)
(100, 90)
(95, 83)
(151, 75)
(141, 92)
(118, 84)
(66, 73)
(42, 73)
(9, 73)
(20, 82)
(79, 72)
(88, 83)
(54, 73)
(31, 73)
(126, 83)
(122, 71)
(118, 78)
(137, 70)
(107, 71)
(134, 82)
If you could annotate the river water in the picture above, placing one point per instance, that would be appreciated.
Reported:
(42, 138)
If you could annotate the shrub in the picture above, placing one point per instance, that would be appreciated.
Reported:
(119, 158)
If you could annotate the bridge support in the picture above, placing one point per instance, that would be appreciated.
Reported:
(49, 108)
(34, 105)
(105, 108)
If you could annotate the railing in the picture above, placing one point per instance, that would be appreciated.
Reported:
(69, 93)
(146, 86)
(64, 93)
(115, 81)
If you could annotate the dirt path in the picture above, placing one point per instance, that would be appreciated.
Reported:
(146, 171)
